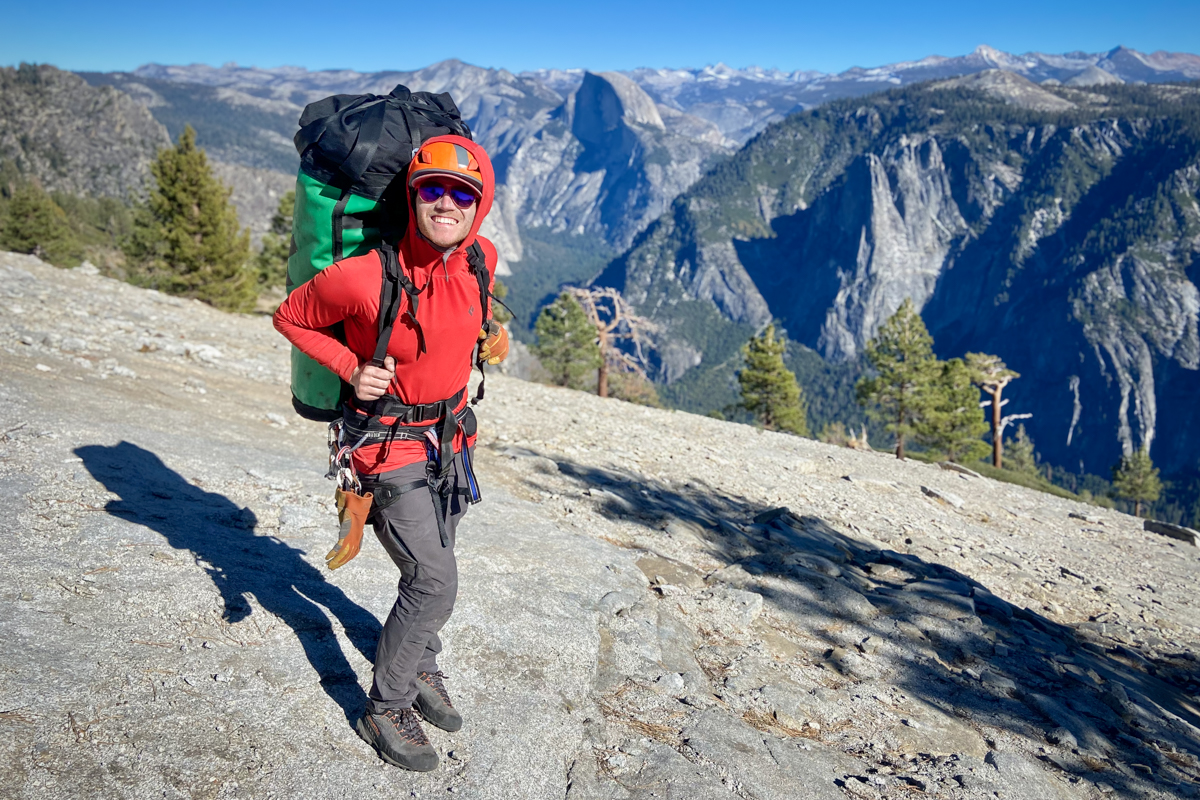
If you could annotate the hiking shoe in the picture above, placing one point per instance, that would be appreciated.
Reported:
(397, 734)
(433, 702)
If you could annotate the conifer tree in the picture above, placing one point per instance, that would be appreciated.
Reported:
(952, 422)
(187, 239)
(902, 356)
(991, 375)
(1020, 455)
(566, 342)
(272, 259)
(769, 389)
(34, 223)
(1136, 479)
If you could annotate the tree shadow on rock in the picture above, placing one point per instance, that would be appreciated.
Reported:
(939, 635)
(220, 535)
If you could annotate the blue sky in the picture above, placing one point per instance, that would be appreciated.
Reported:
(618, 34)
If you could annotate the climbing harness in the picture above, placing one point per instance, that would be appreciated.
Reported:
(361, 423)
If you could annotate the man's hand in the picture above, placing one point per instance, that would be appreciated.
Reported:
(495, 343)
(371, 382)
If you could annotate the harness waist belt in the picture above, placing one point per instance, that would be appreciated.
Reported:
(390, 406)
(408, 425)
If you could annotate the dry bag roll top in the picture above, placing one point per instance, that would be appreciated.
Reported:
(352, 148)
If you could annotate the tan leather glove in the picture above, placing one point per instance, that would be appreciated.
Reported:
(495, 343)
(352, 516)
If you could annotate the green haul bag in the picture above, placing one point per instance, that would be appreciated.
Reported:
(354, 154)
(329, 224)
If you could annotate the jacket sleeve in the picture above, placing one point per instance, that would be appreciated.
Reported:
(336, 293)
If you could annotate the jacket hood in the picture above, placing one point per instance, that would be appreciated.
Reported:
(417, 243)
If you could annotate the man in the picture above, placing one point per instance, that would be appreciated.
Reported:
(421, 487)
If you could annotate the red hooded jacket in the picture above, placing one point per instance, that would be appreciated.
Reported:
(348, 291)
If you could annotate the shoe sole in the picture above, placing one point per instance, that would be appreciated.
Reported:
(363, 733)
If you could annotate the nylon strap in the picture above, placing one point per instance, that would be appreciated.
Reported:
(394, 280)
(478, 265)
(339, 213)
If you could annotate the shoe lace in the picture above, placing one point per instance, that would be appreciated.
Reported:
(407, 724)
(434, 681)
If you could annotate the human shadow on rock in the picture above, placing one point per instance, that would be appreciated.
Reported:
(221, 537)
(949, 641)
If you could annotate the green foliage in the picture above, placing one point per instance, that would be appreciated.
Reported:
(1136, 479)
(549, 261)
(272, 260)
(769, 389)
(499, 312)
(566, 342)
(633, 388)
(1021, 479)
(901, 355)
(1019, 454)
(952, 422)
(34, 223)
(186, 237)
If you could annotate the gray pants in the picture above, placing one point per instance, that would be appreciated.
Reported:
(408, 530)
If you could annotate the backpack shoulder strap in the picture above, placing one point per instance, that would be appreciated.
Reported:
(394, 283)
(477, 262)
(389, 301)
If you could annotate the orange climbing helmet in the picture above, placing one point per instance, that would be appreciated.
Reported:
(445, 159)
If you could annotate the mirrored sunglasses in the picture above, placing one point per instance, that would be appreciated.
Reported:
(432, 192)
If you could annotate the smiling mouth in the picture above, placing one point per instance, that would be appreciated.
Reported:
(439, 220)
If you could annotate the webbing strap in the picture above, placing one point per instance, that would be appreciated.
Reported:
(339, 213)
(391, 406)
(394, 280)
(368, 427)
(477, 263)
(387, 493)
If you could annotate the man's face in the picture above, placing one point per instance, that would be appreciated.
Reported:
(442, 221)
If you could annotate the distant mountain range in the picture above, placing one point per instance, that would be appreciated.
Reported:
(1055, 226)
(594, 157)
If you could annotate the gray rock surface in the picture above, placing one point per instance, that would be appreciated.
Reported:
(625, 627)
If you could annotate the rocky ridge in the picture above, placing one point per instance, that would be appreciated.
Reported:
(988, 200)
(98, 141)
(72, 137)
(566, 164)
(653, 604)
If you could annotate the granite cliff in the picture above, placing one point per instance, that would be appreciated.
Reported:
(1014, 215)
(587, 160)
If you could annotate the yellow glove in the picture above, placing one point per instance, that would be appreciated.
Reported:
(495, 343)
(352, 516)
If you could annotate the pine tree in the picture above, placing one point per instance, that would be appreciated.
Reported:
(566, 342)
(1136, 479)
(992, 376)
(902, 355)
(35, 224)
(952, 422)
(1020, 455)
(769, 389)
(277, 242)
(187, 239)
